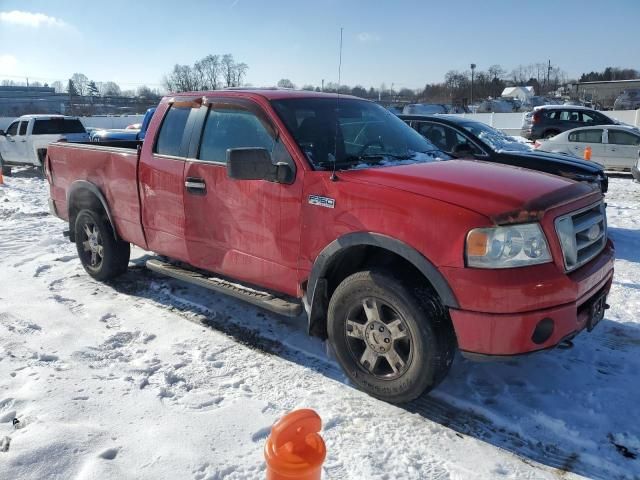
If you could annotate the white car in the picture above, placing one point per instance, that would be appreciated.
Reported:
(615, 147)
(26, 139)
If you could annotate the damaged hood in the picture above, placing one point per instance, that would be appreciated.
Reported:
(502, 193)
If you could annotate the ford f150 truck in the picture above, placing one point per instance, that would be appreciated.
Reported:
(294, 200)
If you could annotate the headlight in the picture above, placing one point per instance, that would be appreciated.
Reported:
(507, 247)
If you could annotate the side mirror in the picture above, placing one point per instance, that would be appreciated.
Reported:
(255, 164)
(3, 133)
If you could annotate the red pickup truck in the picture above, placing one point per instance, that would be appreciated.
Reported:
(399, 253)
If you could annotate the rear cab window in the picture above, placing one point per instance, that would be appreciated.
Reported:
(171, 137)
(57, 126)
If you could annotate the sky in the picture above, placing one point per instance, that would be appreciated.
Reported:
(407, 43)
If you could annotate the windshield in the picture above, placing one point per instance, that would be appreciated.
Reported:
(352, 134)
(495, 139)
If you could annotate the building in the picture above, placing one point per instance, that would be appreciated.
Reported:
(19, 100)
(22, 100)
(602, 94)
(523, 94)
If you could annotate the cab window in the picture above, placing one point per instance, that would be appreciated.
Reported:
(13, 129)
(172, 131)
(23, 128)
(232, 126)
(586, 136)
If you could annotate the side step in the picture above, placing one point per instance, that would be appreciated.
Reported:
(261, 299)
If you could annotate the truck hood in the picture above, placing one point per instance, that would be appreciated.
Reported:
(557, 161)
(502, 193)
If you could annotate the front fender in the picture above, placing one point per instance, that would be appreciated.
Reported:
(317, 285)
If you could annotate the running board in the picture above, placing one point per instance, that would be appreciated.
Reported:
(258, 298)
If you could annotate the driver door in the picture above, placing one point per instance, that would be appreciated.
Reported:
(9, 148)
(244, 229)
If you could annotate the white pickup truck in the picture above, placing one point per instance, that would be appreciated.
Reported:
(26, 139)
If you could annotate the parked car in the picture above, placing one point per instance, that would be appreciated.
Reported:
(287, 198)
(464, 138)
(495, 106)
(424, 109)
(124, 134)
(26, 139)
(628, 100)
(615, 147)
(550, 120)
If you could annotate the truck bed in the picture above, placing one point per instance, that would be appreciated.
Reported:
(113, 170)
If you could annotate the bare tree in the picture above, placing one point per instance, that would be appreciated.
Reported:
(239, 72)
(285, 83)
(57, 86)
(80, 82)
(228, 67)
(210, 68)
(110, 89)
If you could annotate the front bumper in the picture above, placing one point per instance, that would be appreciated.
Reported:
(506, 333)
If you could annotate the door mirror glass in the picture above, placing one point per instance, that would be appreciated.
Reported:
(255, 164)
(2, 133)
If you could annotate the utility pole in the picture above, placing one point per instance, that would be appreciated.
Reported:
(473, 69)
(323, 84)
(548, 74)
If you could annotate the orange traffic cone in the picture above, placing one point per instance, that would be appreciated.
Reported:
(587, 152)
(294, 450)
(1, 177)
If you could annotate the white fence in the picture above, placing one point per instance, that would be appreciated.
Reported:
(96, 122)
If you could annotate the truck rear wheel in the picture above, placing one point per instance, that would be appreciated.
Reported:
(102, 256)
(392, 340)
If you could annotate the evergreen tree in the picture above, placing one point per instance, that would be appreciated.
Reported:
(93, 89)
(71, 89)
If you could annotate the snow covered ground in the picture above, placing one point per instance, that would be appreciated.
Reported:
(148, 378)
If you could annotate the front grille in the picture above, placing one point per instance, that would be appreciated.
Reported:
(582, 234)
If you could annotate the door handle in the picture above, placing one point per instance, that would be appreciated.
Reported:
(197, 186)
(612, 149)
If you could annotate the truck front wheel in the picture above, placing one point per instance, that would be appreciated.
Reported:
(394, 341)
(102, 256)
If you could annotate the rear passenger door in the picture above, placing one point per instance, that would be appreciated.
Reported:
(245, 229)
(161, 180)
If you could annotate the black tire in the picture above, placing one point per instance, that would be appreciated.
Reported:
(425, 345)
(102, 256)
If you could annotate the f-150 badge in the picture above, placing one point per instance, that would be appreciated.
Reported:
(322, 201)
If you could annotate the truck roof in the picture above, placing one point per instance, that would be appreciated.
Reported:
(45, 117)
(268, 93)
